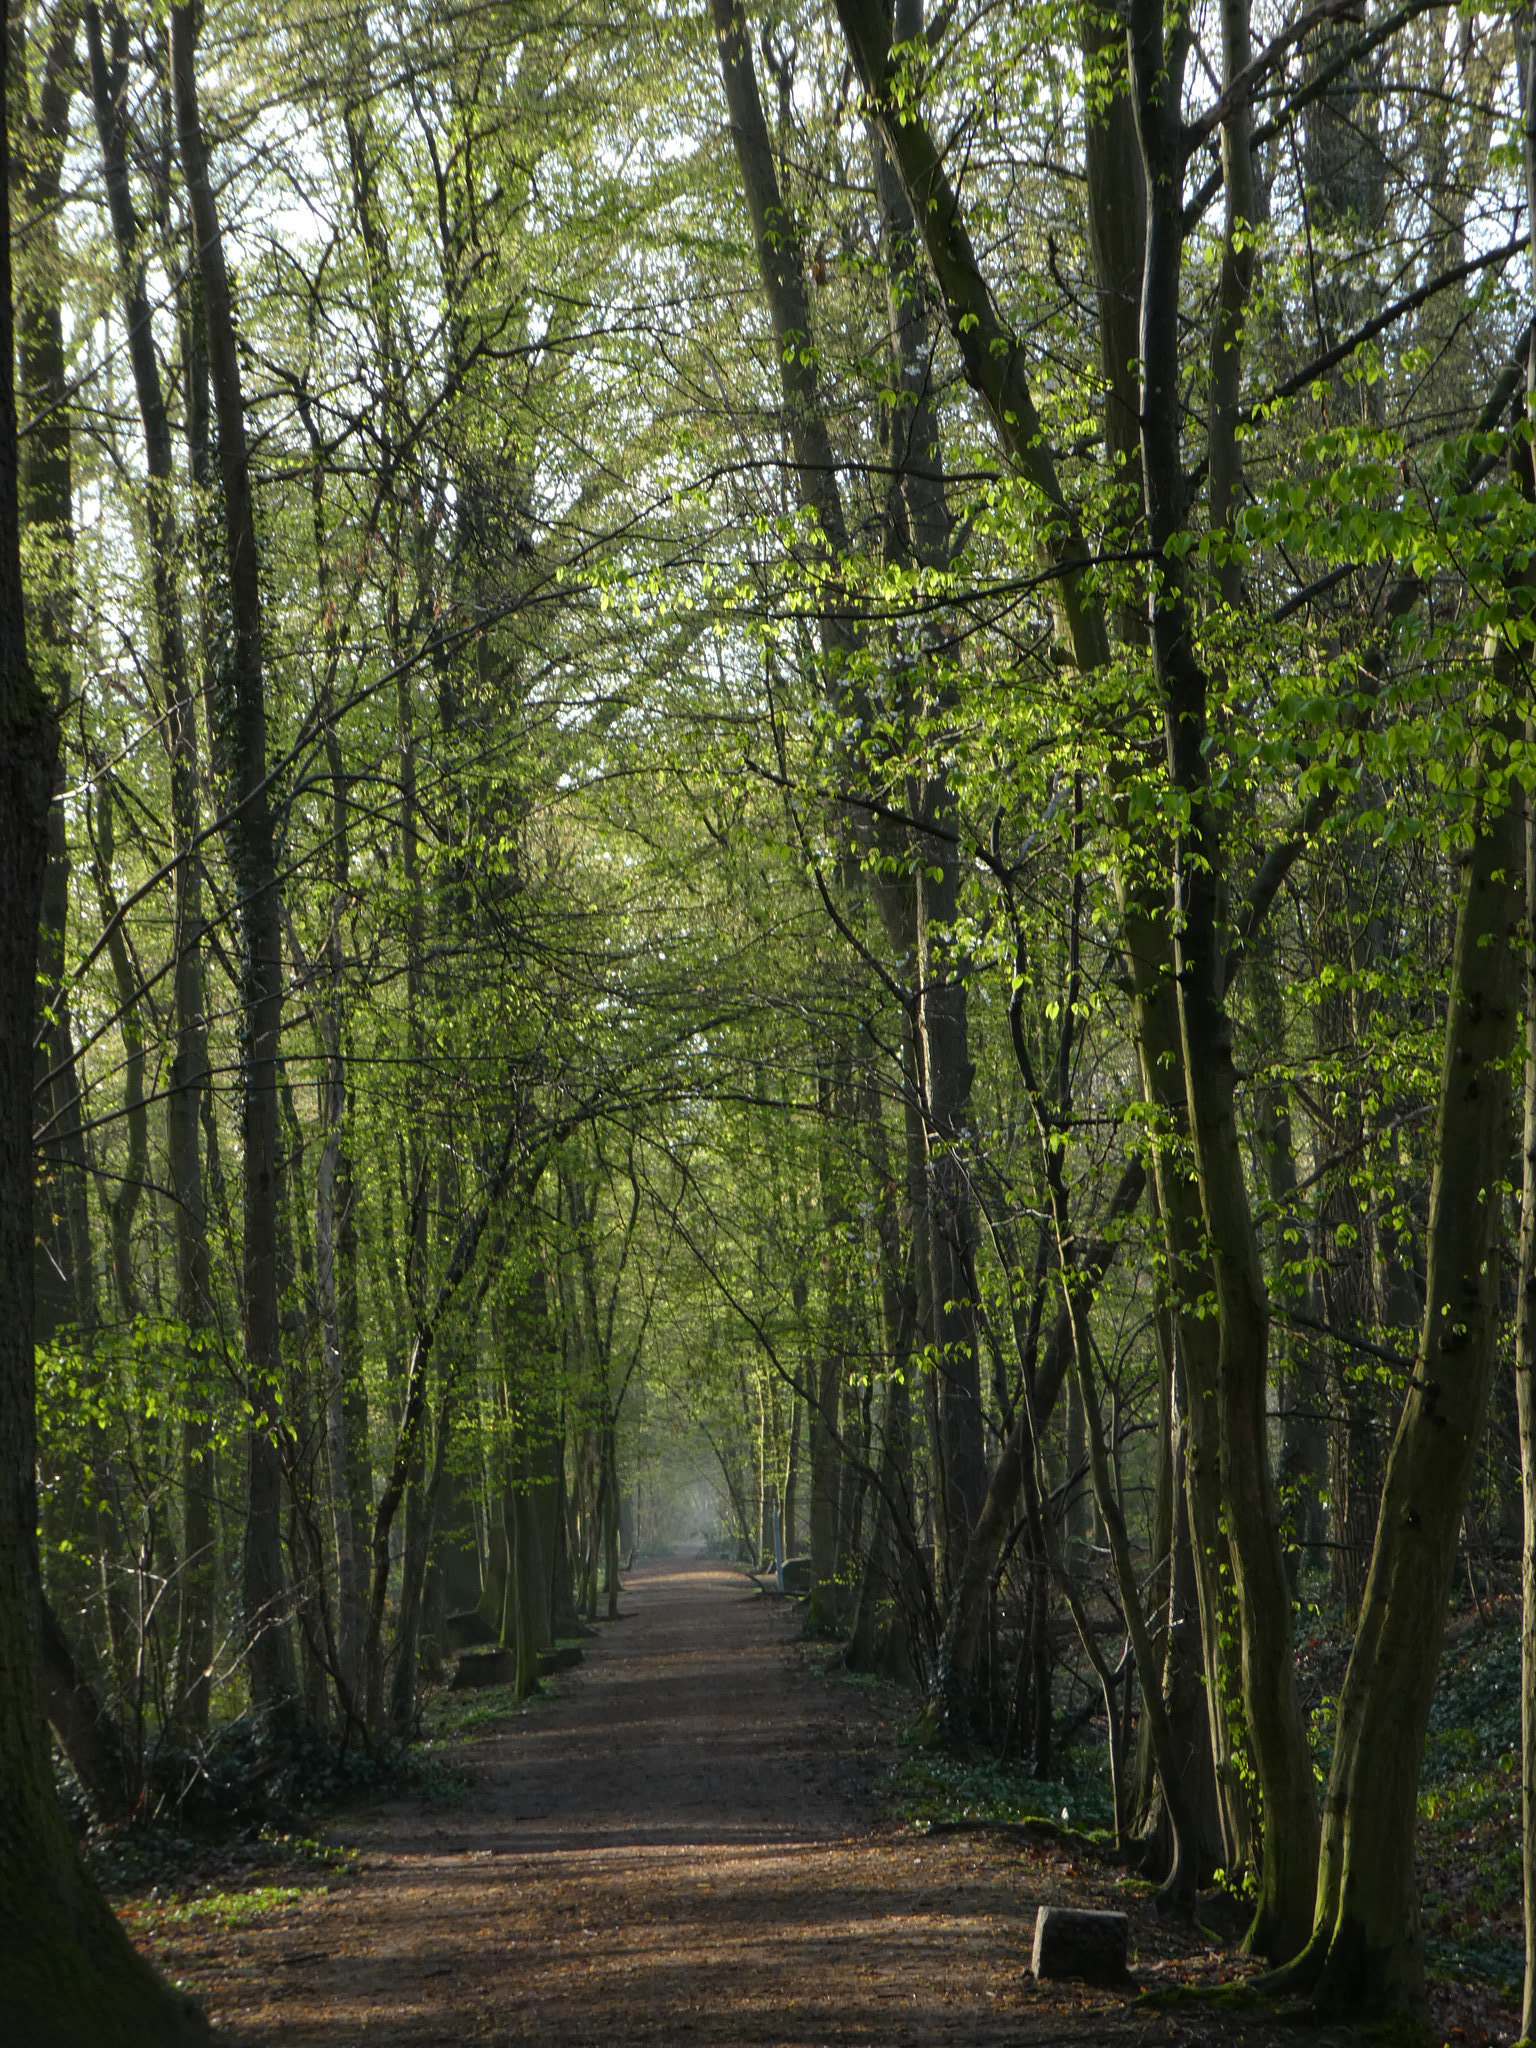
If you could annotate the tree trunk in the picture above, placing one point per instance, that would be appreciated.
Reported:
(1367, 1952)
(109, 85)
(966, 1612)
(84, 1727)
(47, 516)
(827, 1375)
(1525, 1300)
(242, 712)
(792, 1479)
(1525, 1402)
(878, 1625)
(123, 1206)
(611, 1527)
(1277, 1730)
(413, 1417)
(69, 1971)
(529, 1578)
(420, 1514)
(342, 1387)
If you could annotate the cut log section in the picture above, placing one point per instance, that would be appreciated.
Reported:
(1071, 1942)
(499, 1667)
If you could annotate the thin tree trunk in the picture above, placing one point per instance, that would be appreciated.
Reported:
(530, 1576)
(334, 1196)
(411, 1429)
(1276, 1726)
(967, 1608)
(123, 1205)
(827, 1374)
(84, 1726)
(611, 1529)
(109, 84)
(792, 1478)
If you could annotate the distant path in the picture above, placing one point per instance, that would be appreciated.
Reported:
(682, 1847)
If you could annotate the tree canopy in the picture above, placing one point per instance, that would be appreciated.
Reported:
(791, 784)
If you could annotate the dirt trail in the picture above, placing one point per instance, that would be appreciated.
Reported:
(684, 1846)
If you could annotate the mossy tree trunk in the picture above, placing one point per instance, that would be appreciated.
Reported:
(1366, 1953)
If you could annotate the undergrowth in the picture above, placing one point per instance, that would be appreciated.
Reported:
(1469, 1807)
(1469, 1802)
(929, 1785)
(227, 1910)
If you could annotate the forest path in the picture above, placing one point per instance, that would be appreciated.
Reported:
(682, 1846)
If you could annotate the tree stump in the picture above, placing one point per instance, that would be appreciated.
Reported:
(1071, 1942)
(485, 1667)
(470, 1631)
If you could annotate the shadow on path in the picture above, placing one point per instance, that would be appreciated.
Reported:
(682, 1846)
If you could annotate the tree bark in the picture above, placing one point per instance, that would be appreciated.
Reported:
(1277, 1730)
(47, 515)
(84, 1727)
(966, 1613)
(1525, 1300)
(919, 911)
(1366, 1952)
(189, 1069)
(242, 712)
(1525, 1405)
(68, 1970)
(123, 1205)
(413, 1419)
(829, 1373)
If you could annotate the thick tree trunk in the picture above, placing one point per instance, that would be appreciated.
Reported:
(1525, 1405)
(1525, 1301)
(67, 1969)
(253, 861)
(67, 1292)
(47, 516)
(529, 1585)
(1367, 1951)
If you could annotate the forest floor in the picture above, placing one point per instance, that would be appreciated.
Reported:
(686, 1842)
